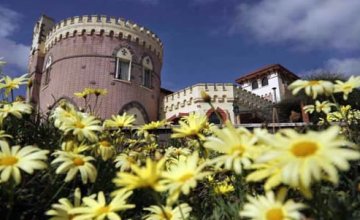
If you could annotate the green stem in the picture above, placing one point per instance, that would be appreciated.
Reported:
(11, 201)
(56, 194)
(343, 116)
(158, 201)
(181, 212)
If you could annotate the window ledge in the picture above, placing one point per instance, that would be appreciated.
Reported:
(147, 88)
(123, 81)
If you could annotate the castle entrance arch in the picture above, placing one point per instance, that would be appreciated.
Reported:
(136, 109)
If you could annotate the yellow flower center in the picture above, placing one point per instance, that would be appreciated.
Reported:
(304, 148)
(105, 143)
(103, 210)
(186, 177)
(166, 215)
(313, 82)
(78, 161)
(275, 214)
(8, 161)
(237, 149)
(347, 88)
(79, 124)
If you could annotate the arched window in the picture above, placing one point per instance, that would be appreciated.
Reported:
(213, 118)
(147, 72)
(123, 64)
(254, 84)
(47, 70)
(264, 81)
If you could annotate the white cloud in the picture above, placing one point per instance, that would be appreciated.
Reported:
(305, 23)
(348, 66)
(13, 52)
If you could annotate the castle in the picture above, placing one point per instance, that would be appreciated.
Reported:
(126, 59)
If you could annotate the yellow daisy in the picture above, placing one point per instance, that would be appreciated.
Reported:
(119, 121)
(324, 107)
(183, 176)
(271, 171)
(72, 163)
(305, 158)
(61, 210)
(180, 212)
(348, 86)
(65, 111)
(10, 84)
(125, 161)
(142, 177)
(269, 207)
(98, 208)
(16, 109)
(82, 126)
(234, 145)
(312, 87)
(223, 188)
(98, 92)
(105, 149)
(26, 158)
(191, 126)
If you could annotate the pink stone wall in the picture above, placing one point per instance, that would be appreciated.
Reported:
(89, 61)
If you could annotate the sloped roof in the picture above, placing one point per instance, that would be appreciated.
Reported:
(266, 69)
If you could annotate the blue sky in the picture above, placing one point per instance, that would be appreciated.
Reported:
(211, 40)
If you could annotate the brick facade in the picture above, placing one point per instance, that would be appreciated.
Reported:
(89, 60)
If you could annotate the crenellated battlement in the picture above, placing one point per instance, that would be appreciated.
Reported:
(104, 26)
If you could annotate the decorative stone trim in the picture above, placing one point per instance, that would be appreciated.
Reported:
(104, 26)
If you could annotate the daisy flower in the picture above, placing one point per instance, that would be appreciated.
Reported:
(180, 212)
(105, 149)
(142, 177)
(183, 176)
(98, 92)
(61, 210)
(16, 109)
(348, 86)
(324, 107)
(72, 163)
(82, 126)
(305, 158)
(269, 207)
(191, 126)
(98, 208)
(236, 147)
(65, 111)
(124, 161)
(13, 159)
(312, 87)
(120, 121)
(10, 84)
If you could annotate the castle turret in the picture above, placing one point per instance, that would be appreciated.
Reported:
(99, 52)
(37, 54)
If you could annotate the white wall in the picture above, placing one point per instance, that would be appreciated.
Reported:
(189, 99)
(266, 91)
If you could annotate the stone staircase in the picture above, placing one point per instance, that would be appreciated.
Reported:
(258, 104)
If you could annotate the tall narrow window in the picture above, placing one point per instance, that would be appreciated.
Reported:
(47, 70)
(123, 64)
(264, 81)
(147, 72)
(254, 84)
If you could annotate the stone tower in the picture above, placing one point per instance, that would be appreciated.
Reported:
(98, 52)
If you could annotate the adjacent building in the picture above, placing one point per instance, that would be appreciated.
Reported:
(126, 59)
